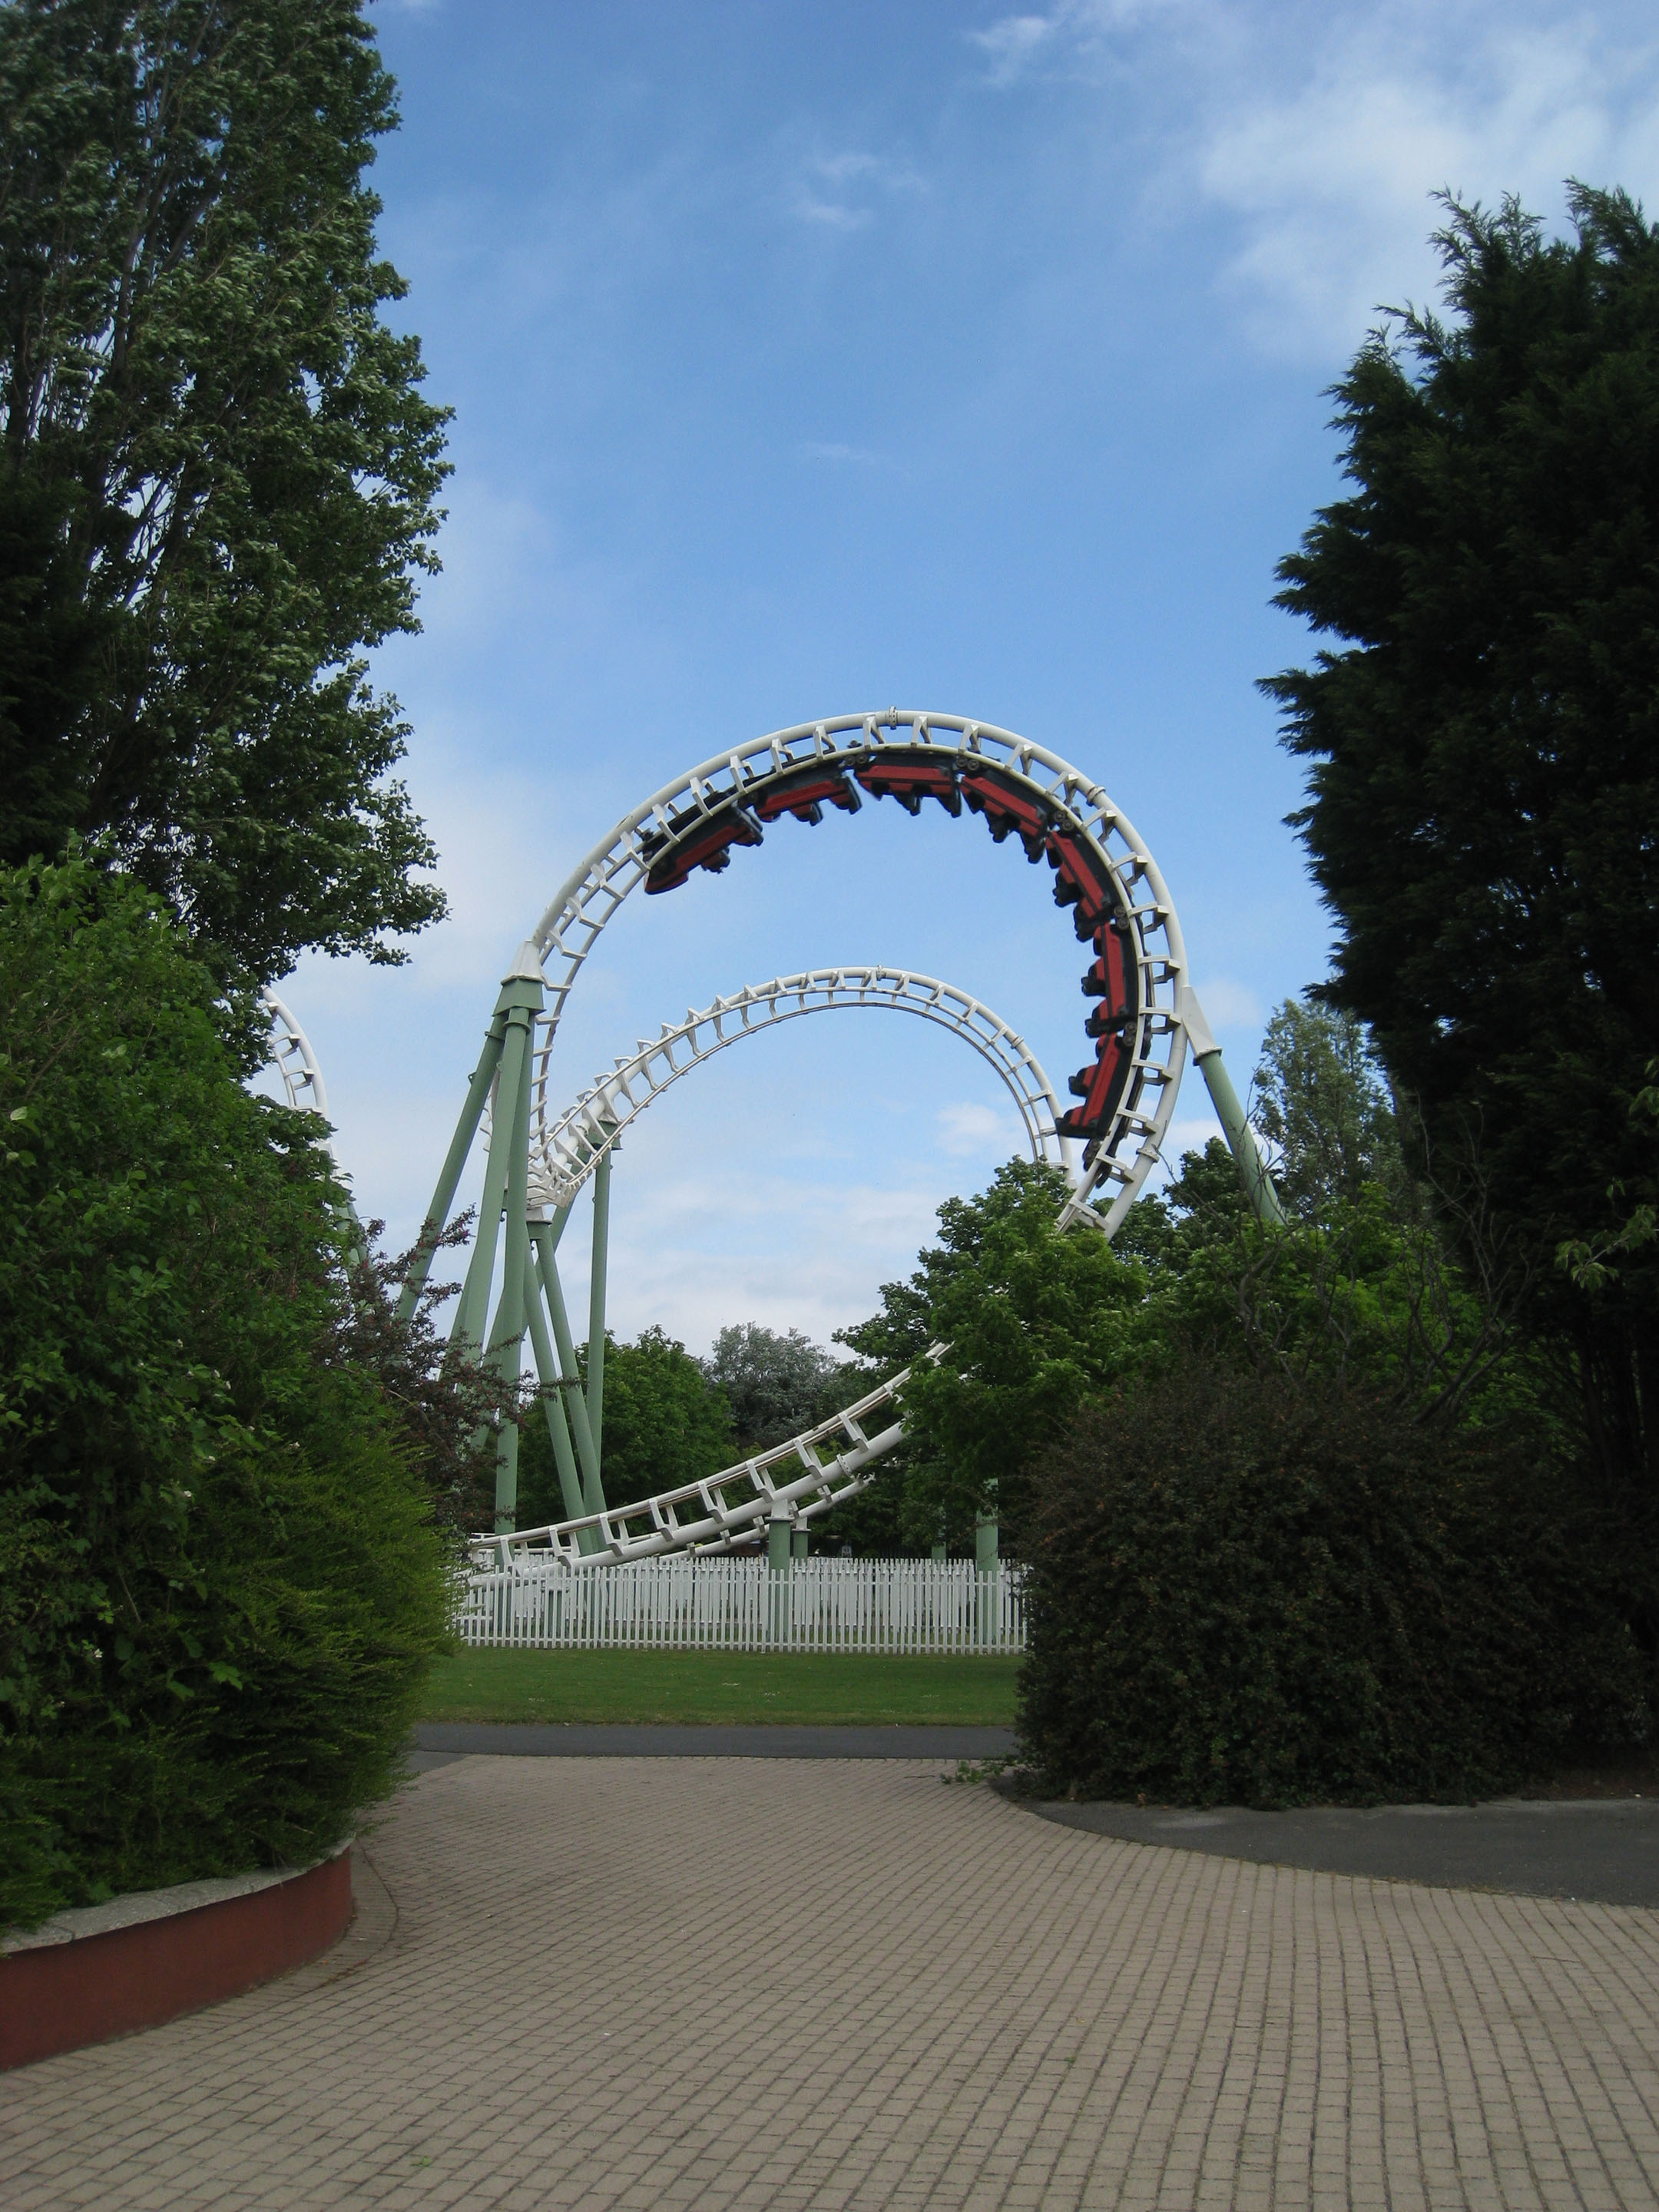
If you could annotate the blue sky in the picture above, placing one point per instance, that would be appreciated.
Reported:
(807, 360)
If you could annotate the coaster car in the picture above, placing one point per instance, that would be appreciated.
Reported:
(910, 773)
(1082, 880)
(1009, 808)
(696, 840)
(1100, 1087)
(803, 792)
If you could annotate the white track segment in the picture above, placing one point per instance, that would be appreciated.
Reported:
(295, 1062)
(1125, 1150)
(563, 1153)
(712, 1515)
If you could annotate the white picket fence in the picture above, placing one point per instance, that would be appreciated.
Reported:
(685, 1603)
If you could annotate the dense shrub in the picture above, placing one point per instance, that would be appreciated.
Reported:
(1253, 1590)
(219, 1578)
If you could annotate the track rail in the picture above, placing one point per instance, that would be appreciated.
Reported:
(290, 1048)
(712, 1514)
(729, 802)
(566, 1151)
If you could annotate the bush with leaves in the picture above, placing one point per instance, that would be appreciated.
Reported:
(220, 1581)
(1252, 1588)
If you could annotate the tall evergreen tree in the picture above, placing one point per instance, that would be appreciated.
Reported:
(1483, 809)
(217, 471)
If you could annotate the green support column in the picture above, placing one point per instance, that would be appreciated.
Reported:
(1258, 1184)
(780, 1534)
(780, 1612)
(798, 1540)
(516, 1010)
(575, 1405)
(596, 1300)
(459, 1146)
(986, 1591)
(564, 1457)
(522, 994)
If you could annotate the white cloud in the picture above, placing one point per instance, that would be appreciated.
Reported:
(1064, 41)
(1230, 1005)
(978, 1132)
(1320, 135)
(843, 190)
(831, 214)
(1013, 42)
(1330, 177)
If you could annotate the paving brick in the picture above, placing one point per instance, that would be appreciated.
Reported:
(834, 1987)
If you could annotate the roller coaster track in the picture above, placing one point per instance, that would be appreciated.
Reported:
(713, 1513)
(720, 1510)
(1103, 870)
(795, 1477)
(569, 1149)
(294, 1060)
(1144, 1020)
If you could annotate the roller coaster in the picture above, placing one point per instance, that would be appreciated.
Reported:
(1142, 1019)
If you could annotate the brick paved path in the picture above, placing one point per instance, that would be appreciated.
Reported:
(724, 1983)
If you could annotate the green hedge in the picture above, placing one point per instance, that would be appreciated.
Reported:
(219, 1585)
(1246, 1590)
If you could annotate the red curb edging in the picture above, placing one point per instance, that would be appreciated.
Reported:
(60, 1996)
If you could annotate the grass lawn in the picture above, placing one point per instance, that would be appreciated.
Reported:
(833, 1687)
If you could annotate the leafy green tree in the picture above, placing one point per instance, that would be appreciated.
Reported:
(220, 1581)
(217, 472)
(773, 1384)
(1035, 1323)
(1321, 1102)
(1483, 736)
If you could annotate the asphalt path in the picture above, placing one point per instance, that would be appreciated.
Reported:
(437, 1741)
(1597, 1850)
(1602, 1850)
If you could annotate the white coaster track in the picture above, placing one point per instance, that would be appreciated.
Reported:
(1145, 1017)
(1018, 787)
(567, 1151)
(295, 1060)
(794, 1477)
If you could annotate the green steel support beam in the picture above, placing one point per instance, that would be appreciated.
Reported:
(780, 1533)
(513, 1070)
(459, 1146)
(1258, 1184)
(523, 996)
(799, 1545)
(576, 1406)
(564, 1457)
(596, 1300)
(985, 1543)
